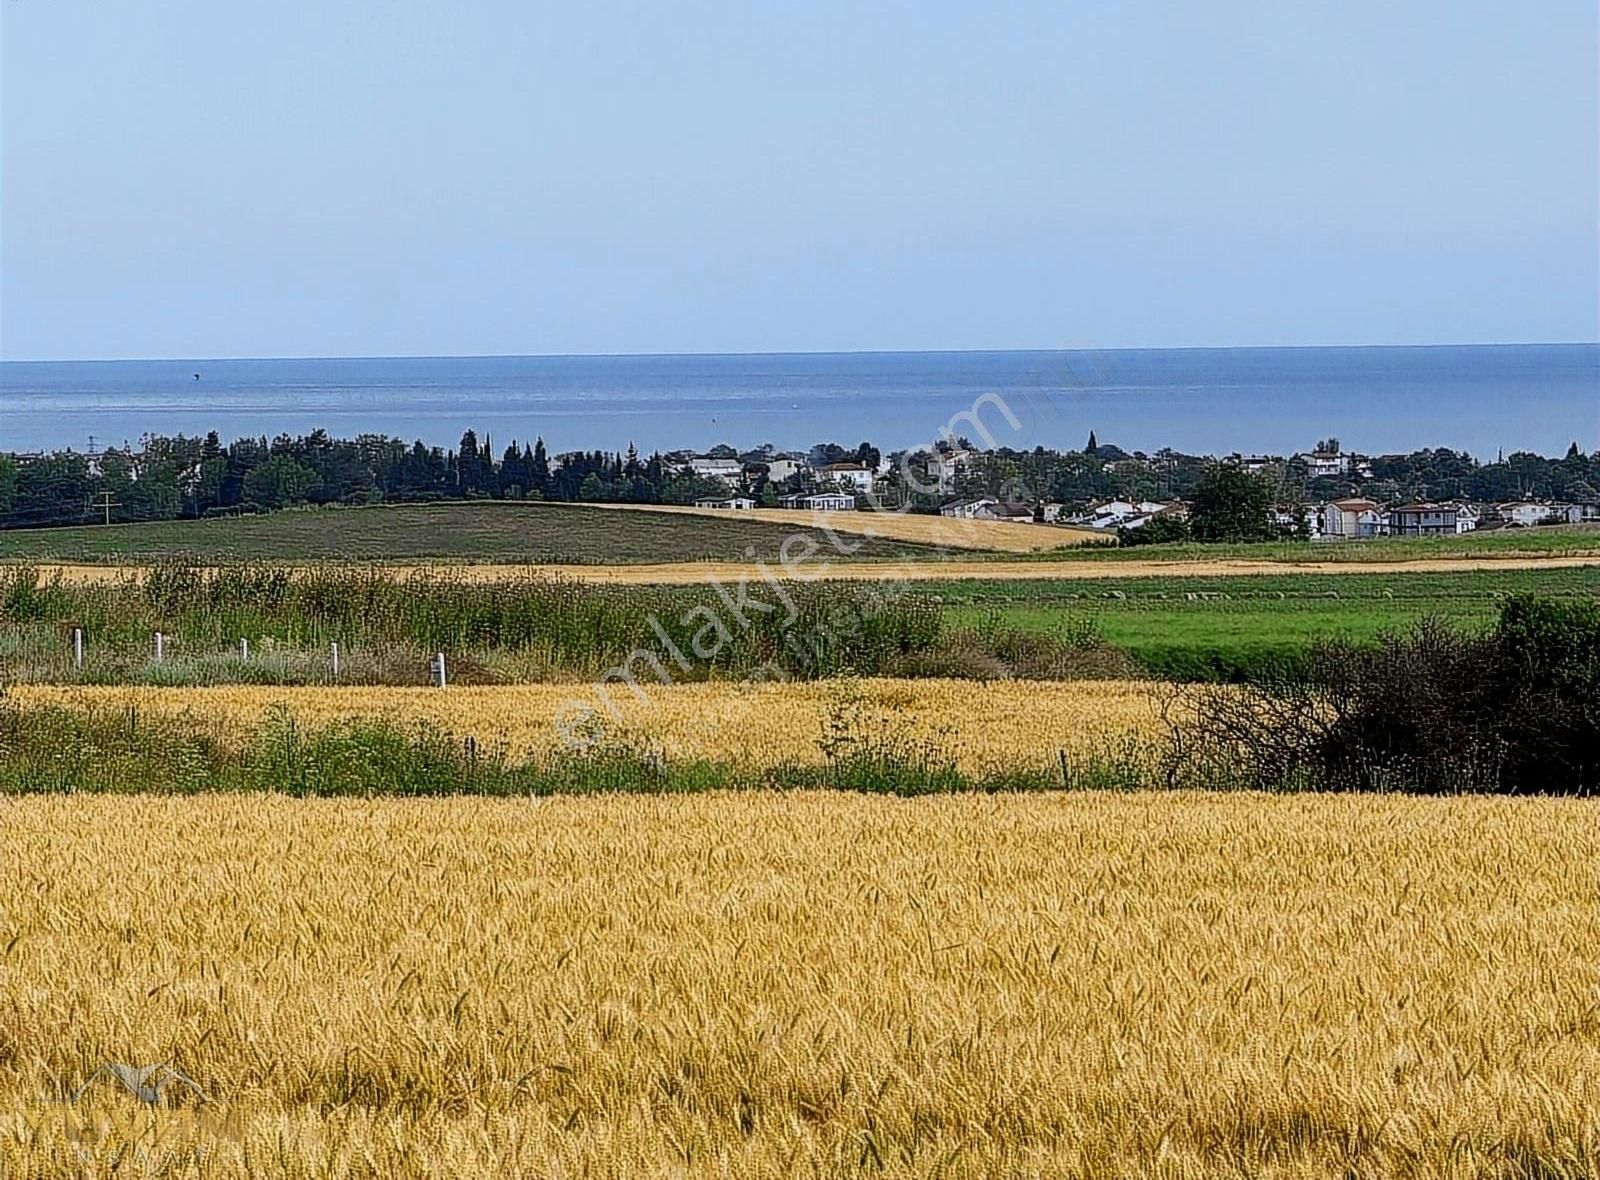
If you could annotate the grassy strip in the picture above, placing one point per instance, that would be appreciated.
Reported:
(1250, 628)
(577, 627)
(1552, 541)
(535, 628)
(548, 629)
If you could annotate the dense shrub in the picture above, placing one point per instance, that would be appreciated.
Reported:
(1237, 663)
(1158, 530)
(1432, 710)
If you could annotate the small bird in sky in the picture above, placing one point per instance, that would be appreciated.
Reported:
(197, 376)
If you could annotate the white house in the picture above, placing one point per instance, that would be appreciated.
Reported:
(1320, 464)
(951, 459)
(781, 467)
(857, 477)
(1052, 512)
(1583, 513)
(1342, 519)
(1424, 520)
(728, 470)
(1288, 516)
(1114, 514)
(1467, 518)
(994, 510)
(1526, 513)
(968, 509)
(730, 503)
(1374, 522)
(820, 501)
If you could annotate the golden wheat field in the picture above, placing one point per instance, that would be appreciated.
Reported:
(813, 984)
(983, 726)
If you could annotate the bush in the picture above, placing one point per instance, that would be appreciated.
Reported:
(1158, 530)
(1549, 670)
(1430, 711)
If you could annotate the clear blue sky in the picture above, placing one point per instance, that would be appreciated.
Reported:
(295, 178)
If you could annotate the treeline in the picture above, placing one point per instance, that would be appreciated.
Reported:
(183, 477)
(1107, 472)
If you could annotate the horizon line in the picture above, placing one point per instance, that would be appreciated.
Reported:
(478, 356)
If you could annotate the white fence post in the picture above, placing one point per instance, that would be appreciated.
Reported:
(336, 659)
(440, 670)
(244, 649)
(158, 647)
(77, 647)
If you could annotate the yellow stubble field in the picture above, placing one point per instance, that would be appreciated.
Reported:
(996, 536)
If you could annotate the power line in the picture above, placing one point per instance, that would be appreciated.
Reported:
(105, 501)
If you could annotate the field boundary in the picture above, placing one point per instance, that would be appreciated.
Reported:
(705, 572)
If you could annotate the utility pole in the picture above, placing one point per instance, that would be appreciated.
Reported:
(107, 503)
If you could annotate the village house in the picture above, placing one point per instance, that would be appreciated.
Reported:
(729, 503)
(1424, 520)
(856, 477)
(1527, 513)
(782, 467)
(729, 471)
(988, 508)
(1291, 516)
(820, 501)
(945, 464)
(1252, 464)
(971, 508)
(1015, 512)
(1116, 514)
(1322, 464)
(1344, 520)
(1140, 519)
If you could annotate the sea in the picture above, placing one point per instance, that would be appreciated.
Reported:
(1485, 399)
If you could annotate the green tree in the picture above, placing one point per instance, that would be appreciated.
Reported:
(279, 482)
(8, 485)
(1230, 504)
(1158, 530)
(539, 468)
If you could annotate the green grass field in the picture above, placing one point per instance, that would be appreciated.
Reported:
(1205, 627)
(568, 534)
(1553, 541)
